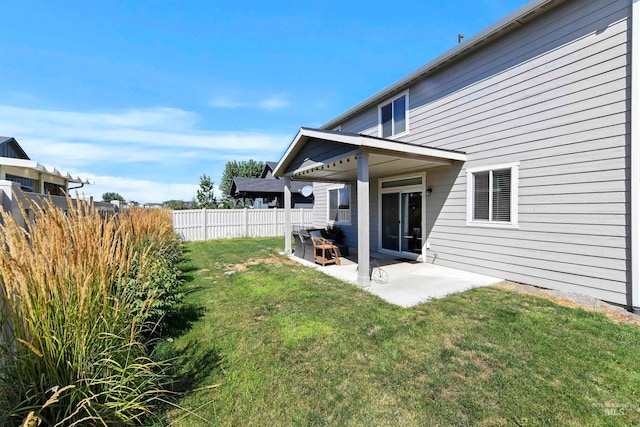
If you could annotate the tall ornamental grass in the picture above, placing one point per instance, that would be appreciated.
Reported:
(75, 313)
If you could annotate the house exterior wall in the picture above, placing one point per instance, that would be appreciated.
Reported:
(9, 149)
(554, 96)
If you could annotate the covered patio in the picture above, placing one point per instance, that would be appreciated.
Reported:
(405, 283)
(318, 155)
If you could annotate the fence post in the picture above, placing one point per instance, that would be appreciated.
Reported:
(246, 222)
(204, 223)
(275, 222)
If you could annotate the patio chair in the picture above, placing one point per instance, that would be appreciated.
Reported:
(324, 252)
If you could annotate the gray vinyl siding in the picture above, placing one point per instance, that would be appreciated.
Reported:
(9, 149)
(350, 231)
(554, 96)
(320, 204)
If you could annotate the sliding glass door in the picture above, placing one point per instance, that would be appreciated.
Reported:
(402, 221)
(391, 221)
(411, 222)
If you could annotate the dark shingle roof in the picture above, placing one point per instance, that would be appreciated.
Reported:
(260, 185)
(272, 165)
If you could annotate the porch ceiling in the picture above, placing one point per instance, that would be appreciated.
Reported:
(321, 155)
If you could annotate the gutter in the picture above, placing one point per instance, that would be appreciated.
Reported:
(75, 188)
(634, 285)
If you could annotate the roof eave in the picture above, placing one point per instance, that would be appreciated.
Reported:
(362, 142)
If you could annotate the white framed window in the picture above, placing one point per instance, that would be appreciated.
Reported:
(492, 196)
(393, 116)
(339, 204)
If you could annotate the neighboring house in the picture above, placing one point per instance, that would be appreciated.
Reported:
(268, 190)
(19, 172)
(16, 166)
(515, 154)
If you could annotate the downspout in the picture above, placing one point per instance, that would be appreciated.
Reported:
(76, 188)
(634, 289)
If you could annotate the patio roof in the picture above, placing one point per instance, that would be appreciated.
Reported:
(28, 167)
(323, 155)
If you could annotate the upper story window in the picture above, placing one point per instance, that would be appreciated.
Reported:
(492, 196)
(339, 205)
(392, 116)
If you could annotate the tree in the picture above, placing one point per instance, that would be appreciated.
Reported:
(233, 169)
(175, 205)
(110, 196)
(205, 197)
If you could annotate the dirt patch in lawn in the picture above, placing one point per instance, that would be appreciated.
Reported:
(272, 260)
(574, 300)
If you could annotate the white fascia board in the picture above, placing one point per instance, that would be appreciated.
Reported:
(285, 157)
(43, 169)
(465, 47)
(21, 163)
(418, 150)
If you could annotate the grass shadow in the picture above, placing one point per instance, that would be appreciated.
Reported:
(181, 320)
(194, 364)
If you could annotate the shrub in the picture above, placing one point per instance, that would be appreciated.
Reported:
(154, 273)
(74, 350)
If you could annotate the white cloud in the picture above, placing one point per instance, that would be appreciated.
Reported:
(151, 127)
(78, 139)
(271, 103)
(223, 102)
(144, 154)
(139, 190)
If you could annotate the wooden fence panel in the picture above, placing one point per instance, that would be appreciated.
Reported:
(211, 224)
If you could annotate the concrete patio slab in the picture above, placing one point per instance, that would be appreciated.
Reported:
(408, 283)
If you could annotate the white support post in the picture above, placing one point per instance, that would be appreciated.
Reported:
(363, 220)
(634, 286)
(287, 215)
(275, 221)
(41, 181)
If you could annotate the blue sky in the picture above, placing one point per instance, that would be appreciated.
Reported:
(143, 97)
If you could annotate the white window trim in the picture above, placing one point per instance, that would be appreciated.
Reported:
(338, 187)
(406, 115)
(514, 196)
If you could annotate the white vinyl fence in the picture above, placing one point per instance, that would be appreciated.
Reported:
(210, 224)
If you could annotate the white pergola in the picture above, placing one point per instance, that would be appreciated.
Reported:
(36, 171)
(332, 156)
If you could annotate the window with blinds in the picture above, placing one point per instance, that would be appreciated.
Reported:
(501, 195)
(481, 196)
(492, 195)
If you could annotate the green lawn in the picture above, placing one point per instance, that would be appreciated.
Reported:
(278, 344)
